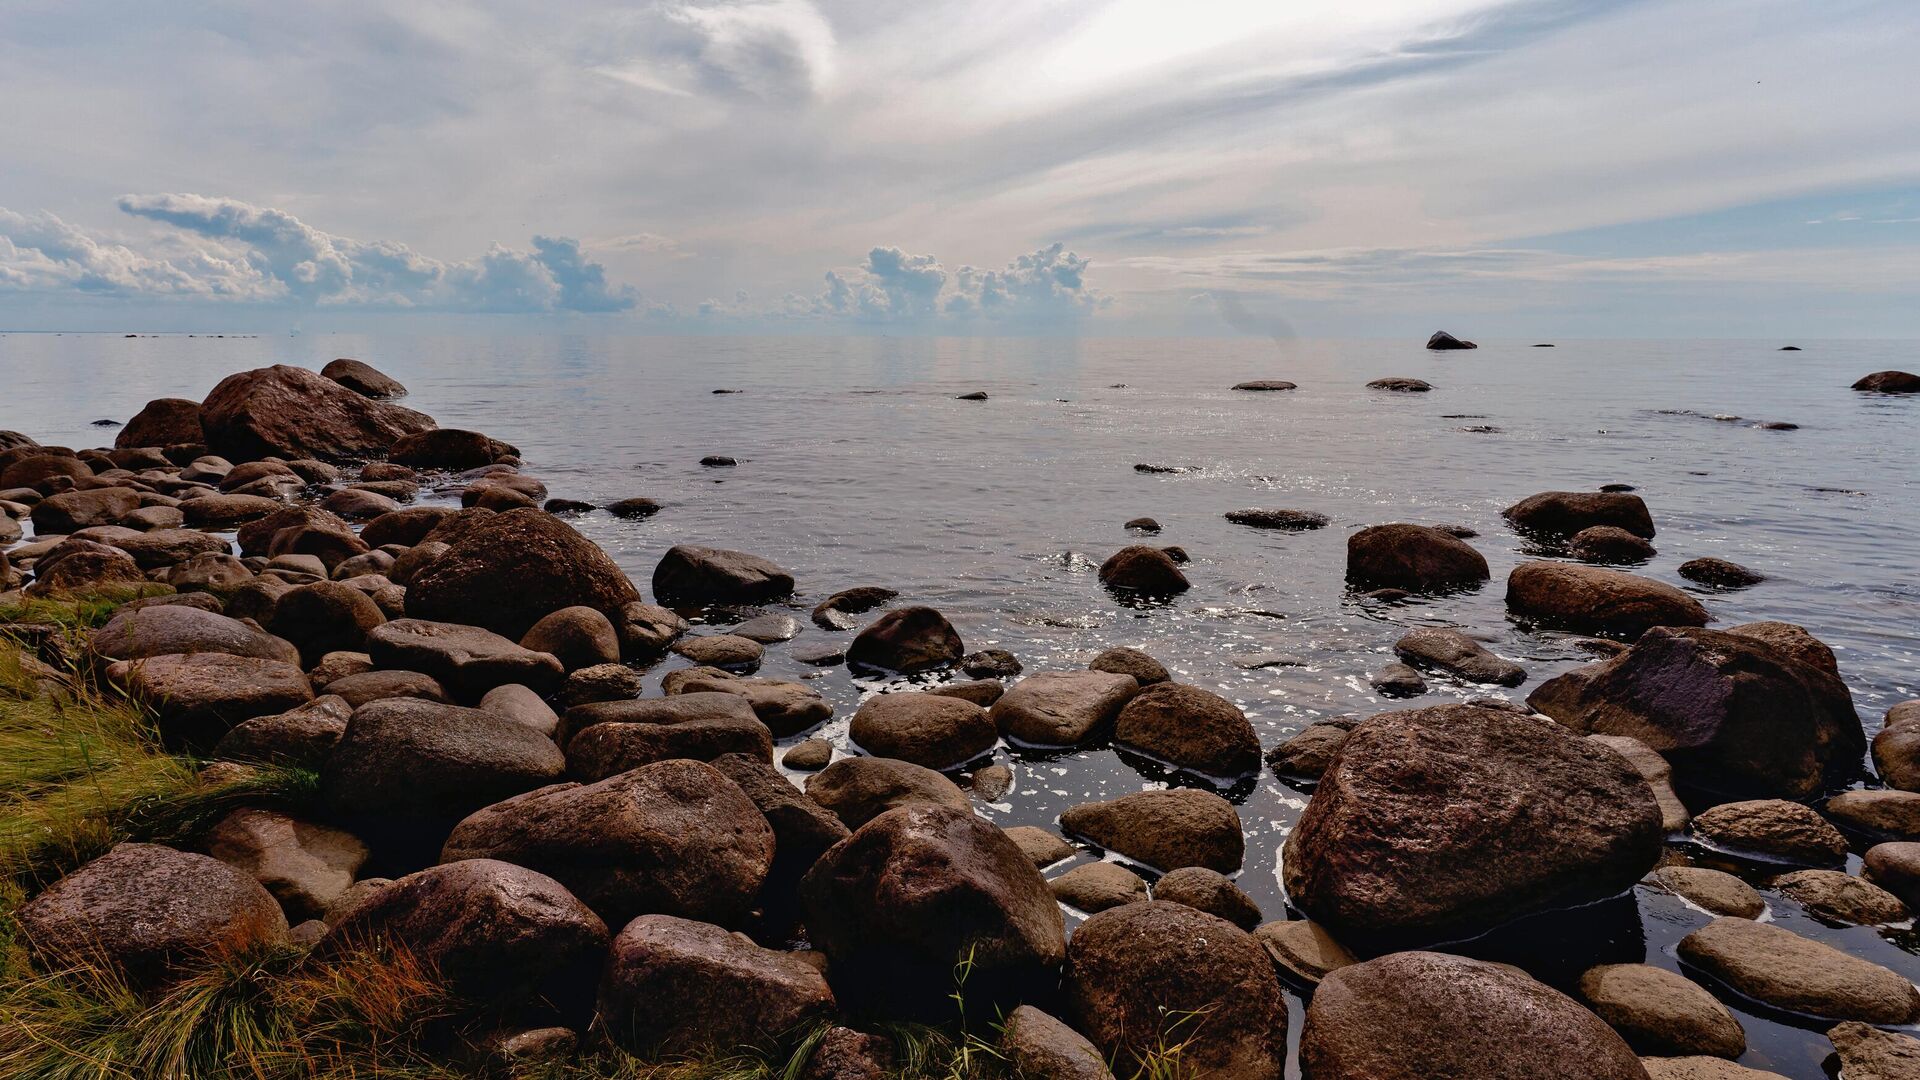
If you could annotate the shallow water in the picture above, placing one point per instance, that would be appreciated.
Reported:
(858, 466)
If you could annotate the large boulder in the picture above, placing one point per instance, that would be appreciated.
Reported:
(673, 838)
(149, 912)
(859, 789)
(1415, 558)
(325, 617)
(290, 412)
(362, 378)
(137, 633)
(926, 729)
(198, 697)
(921, 888)
(1564, 513)
(696, 576)
(676, 986)
(1147, 976)
(467, 660)
(1537, 819)
(1731, 712)
(511, 569)
(1441, 340)
(1144, 571)
(162, 422)
(304, 865)
(449, 448)
(1594, 600)
(1777, 967)
(492, 930)
(1457, 654)
(725, 725)
(1434, 1016)
(907, 640)
(1165, 830)
(1190, 729)
(1062, 708)
(71, 511)
(802, 828)
(1889, 382)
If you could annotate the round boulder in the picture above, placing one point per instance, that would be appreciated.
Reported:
(907, 640)
(511, 570)
(930, 730)
(1165, 830)
(1415, 558)
(1190, 729)
(1143, 570)
(676, 986)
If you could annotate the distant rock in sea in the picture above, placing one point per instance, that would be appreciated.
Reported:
(1443, 340)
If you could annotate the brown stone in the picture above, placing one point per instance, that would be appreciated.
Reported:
(676, 986)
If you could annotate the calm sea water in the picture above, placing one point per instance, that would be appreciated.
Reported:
(858, 466)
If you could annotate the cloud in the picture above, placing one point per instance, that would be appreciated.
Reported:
(232, 250)
(771, 49)
(1047, 286)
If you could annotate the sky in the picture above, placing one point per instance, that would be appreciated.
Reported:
(1586, 168)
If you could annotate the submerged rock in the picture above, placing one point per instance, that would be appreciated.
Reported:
(1443, 340)
(1144, 570)
(1890, 382)
(1457, 654)
(1720, 573)
(1609, 544)
(1263, 385)
(1401, 384)
(1288, 520)
(1564, 513)
(1778, 967)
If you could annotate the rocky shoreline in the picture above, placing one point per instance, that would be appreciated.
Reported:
(495, 795)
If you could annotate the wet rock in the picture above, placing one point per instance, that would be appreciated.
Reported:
(906, 640)
(1889, 382)
(677, 986)
(1041, 847)
(567, 506)
(802, 828)
(1308, 753)
(1895, 867)
(71, 511)
(358, 690)
(1284, 520)
(609, 748)
(929, 730)
(165, 547)
(305, 866)
(1143, 570)
(449, 448)
(767, 629)
(149, 911)
(981, 692)
(1715, 890)
(990, 783)
(162, 422)
(694, 575)
(1304, 951)
(1589, 599)
(294, 413)
(492, 930)
(1540, 820)
(578, 636)
(634, 508)
(1609, 544)
(916, 889)
(1164, 830)
(1209, 891)
(1886, 815)
(512, 569)
(1189, 728)
(1157, 470)
(1124, 660)
(1264, 385)
(179, 628)
(786, 708)
(1457, 654)
(1867, 1053)
(990, 664)
(1702, 1068)
(522, 705)
(674, 838)
(646, 630)
(1400, 384)
(1731, 713)
(1134, 970)
(1778, 967)
(408, 526)
(1042, 1048)
(1061, 708)
(1142, 525)
(1092, 887)
(1794, 641)
(1398, 681)
(846, 1054)
(199, 697)
(1442, 340)
(834, 613)
(1720, 573)
(1424, 1014)
(1662, 1013)
(723, 651)
(303, 735)
(859, 789)
(1674, 815)
(1565, 513)
(1411, 557)
(1842, 897)
(363, 379)
(467, 660)
(808, 755)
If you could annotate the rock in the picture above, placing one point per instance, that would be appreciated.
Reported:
(1896, 747)
(1565, 513)
(1398, 681)
(84, 571)
(786, 708)
(722, 724)
(700, 575)
(567, 506)
(1443, 340)
(802, 828)
(1588, 599)
(1264, 385)
(722, 651)
(325, 617)
(1895, 867)
(1164, 830)
(1778, 967)
(1191, 729)
(1538, 820)
(162, 422)
(1040, 846)
(676, 986)
(511, 570)
(1792, 640)
(406, 763)
(467, 660)
(673, 838)
(1842, 897)
(833, 612)
(1702, 1068)
(34, 470)
(1609, 544)
(208, 573)
(990, 664)
(977, 395)
(358, 690)
(646, 630)
(1401, 384)
(155, 519)
(928, 730)
(578, 636)
(808, 755)
(1720, 573)
(767, 629)
(919, 888)
(226, 511)
(859, 789)
(1285, 520)
(1457, 654)
(906, 640)
(1143, 570)
(1308, 753)
(1716, 891)
(165, 547)
(179, 628)
(407, 526)
(1412, 557)
(305, 866)
(1302, 950)
(492, 930)
(1674, 815)
(1142, 525)
(449, 448)
(71, 511)
(1135, 971)
(294, 413)
(504, 491)
(1661, 1013)
(1061, 708)
(981, 692)
(1123, 660)
(1887, 815)
(303, 735)
(200, 696)
(634, 508)
(515, 1052)
(1889, 382)
(1867, 1053)
(1097, 886)
(522, 705)
(1209, 891)
(1424, 1014)
(1042, 1048)
(363, 379)
(150, 912)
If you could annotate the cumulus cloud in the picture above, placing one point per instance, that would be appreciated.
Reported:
(234, 250)
(1041, 287)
